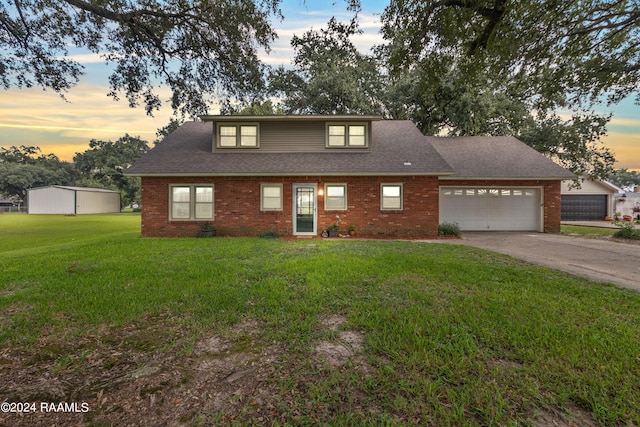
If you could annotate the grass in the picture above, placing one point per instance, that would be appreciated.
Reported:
(454, 335)
(623, 231)
(587, 231)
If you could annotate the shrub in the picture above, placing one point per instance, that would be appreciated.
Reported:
(628, 231)
(448, 229)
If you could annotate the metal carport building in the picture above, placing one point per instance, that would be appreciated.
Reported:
(59, 199)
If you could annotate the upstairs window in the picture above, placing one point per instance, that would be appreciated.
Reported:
(243, 135)
(347, 135)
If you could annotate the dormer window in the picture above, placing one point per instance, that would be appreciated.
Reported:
(349, 135)
(236, 135)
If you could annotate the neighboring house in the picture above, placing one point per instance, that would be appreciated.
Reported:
(593, 201)
(297, 175)
(627, 204)
(59, 199)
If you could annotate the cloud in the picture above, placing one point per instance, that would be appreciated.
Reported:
(41, 118)
(623, 124)
(87, 58)
(40, 127)
(626, 148)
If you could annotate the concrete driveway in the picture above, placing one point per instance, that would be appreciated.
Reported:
(601, 260)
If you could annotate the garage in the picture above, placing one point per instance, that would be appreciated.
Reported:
(491, 208)
(592, 200)
(589, 207)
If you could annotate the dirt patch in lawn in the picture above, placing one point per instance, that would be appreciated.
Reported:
(141, 375)
(137, 375)
(128, 377)
(344, 345)
(574, 417)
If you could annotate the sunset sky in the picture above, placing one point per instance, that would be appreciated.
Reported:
(41, 118)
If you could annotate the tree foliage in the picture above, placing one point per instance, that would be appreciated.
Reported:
(197, 48)
(574, 143)
(104, 163)
(21, 168)
(557, 52)
(330, 75)
(495, 67)
(166, 130)
(625, 178)
(266, 108)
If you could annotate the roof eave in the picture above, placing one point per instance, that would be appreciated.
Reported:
(272, 174)
(288, 118)
(506, 178)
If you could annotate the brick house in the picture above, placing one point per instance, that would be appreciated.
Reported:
(297, 175)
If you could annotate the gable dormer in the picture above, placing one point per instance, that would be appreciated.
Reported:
(286, 134)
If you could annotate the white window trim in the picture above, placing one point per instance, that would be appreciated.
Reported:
(326, 196)
(346, 134)
(262, 187)
(238, 145)
(192, 202)
(382, 198)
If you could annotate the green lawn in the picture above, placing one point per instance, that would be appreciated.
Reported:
(452, 335)
(587, 231)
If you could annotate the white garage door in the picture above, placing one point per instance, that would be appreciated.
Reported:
(490, 208)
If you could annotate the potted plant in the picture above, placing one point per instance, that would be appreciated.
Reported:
(333, 230)
(352, 231)
(206, 230)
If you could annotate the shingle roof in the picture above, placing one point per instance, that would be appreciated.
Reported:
(397, 148)
(492, 157)
(188, 151)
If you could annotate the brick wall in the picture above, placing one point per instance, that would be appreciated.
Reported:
(551, 196)
(237, 206)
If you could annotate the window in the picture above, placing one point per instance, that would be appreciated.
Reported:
(271, 197)
(249, 136)
(238, 135)
(335, 197)
(336, 136)
(204, 202)
(228, 136)
(391, 196)
(357, 135)
(191, 202)
(346, 135)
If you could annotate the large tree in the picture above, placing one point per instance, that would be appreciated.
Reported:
(625, 178)
(22, 168)
(567, 52)
(104, 163)
(510, 67)
(197, 48)
(330, 76)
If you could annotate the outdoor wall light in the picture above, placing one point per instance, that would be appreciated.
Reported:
(320, 191)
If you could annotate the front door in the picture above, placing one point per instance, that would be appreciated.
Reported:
(304, 210)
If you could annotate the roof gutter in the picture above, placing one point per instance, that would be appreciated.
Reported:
(272, 174)
(292, 118)
(505, 178)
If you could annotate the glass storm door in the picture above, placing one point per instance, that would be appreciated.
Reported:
(304, 210)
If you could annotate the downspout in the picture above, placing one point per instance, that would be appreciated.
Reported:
(75, 202)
